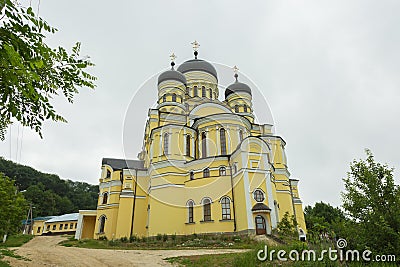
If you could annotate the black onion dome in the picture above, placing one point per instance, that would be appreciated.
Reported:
(198, 64)
(171, 75)
(237, 87)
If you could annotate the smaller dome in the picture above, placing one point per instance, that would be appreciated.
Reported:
(237, 87)
(198, 64)
(171, 75)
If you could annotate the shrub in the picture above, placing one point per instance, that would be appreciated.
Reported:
(165, 237)
(159, 237)
(102, 238)
(124, 239)
(173, 237)
(133, 238)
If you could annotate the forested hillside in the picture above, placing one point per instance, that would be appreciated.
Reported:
(49, 194)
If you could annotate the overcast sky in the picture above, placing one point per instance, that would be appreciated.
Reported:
(329, 71)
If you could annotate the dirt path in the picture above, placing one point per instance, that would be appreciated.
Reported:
(44, 251)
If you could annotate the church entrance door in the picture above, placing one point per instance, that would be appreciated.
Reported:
(260, 225)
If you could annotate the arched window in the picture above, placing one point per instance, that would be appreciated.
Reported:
(207, 209)
(102, 223)
(195, 91)
(166, 143)
(206, 172)
(190, 205)
(164, 98)
(223, 141)
(108, 175)
(203, 91)
(188, 90)
(173, 97)
(258, 195)
(245, 108)
(222, 171)
(235, 168)
(236, 108)
(240, 135)
(105, 198)
(226, 208)
(203, 145)
(191, 174)
(188, 140)
(211, 93)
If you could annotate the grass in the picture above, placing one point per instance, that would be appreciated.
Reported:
(9, 253)
(216, 241)
(16, 240)
(13, 241)
(205, 260)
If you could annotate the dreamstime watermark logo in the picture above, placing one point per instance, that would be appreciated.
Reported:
(333, 254)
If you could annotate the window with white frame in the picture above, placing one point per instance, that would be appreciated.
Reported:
(258, 195)
(190, 205)
(226, 208)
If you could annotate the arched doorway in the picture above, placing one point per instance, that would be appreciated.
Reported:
(260, 225)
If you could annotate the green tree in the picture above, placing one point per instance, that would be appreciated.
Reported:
(31, 72)
(49, 194)
(323, 218)
(287, 225)
(13, 206)
(371, 200)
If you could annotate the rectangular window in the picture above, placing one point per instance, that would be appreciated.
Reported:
(61, 226)
(203, 91)
(207, 212)
(38, 229)
(76, 225)
(48, 227)
(54, 227)
(203, 145)
(226, 209)
(188, 140)
(190, 214)
(223, 141)
(166, 144)
(71, 226)
(66, 226)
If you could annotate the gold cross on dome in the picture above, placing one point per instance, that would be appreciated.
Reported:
(235, 69)
(173, 57)
(196, 45)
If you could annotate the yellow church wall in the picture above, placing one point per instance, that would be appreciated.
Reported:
(285, 203)
(240, 204)
(300, 217)
(111, 214)
(124, 222)
(167, 219)
(140, 219)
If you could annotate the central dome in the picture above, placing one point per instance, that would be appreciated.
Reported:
(199, 65)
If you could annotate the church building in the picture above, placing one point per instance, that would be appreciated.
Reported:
(206, 166)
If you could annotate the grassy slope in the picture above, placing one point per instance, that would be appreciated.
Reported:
(12, 241)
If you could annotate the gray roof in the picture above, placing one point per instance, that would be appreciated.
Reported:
(198, 64)
(260, 206)
(237, 87)
(119, 164)
(172, 75)
(64, 218)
